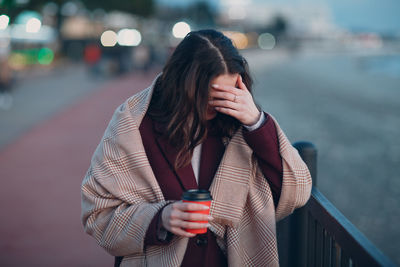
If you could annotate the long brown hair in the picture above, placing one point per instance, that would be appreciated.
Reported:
(181, 93)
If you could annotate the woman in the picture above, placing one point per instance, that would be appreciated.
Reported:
(196, 126)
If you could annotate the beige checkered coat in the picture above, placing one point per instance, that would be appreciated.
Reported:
(120, 196)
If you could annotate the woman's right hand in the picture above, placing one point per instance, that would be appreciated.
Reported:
(175, 218)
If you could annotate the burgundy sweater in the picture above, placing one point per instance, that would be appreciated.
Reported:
(202, 249)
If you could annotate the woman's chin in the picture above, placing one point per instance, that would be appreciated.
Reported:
(211, 113)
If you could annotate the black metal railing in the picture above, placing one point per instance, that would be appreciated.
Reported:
(319, 235)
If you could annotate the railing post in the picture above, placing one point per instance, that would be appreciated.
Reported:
(292, 231)
(308, 152)
(299, 222)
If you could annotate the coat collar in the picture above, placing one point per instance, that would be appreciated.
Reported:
(138, 105)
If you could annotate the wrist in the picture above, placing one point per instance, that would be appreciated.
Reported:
(162, 232)
(254, 119)
(258, 124)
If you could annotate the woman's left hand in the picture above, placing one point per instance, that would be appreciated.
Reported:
(235, 102)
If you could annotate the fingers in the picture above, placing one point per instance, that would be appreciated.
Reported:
(186, 212)
(179, 216)
(232, 89)
(227, 92)
(191, 216)
(229, 107)
(229, 111)
(241, 83)
(235, 102)
(188, 225)
(184, 206)
(224, 104)
(227, 88)
(223, 95)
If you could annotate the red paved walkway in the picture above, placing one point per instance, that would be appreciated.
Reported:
(40, 177)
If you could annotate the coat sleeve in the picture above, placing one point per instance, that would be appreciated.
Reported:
(264, 142)
(118, 226)
(120, 196)
(296, 181)
(156, 234)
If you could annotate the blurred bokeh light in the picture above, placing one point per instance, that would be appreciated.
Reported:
(239, 39)
(4, 20)
(109, 38)
(129, 37)
(266, 41)
(181, 29)
(45, 56)
(33, 25)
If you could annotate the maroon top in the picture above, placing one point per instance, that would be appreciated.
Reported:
(202, 249)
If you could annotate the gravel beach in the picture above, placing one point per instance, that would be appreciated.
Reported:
(352, 115)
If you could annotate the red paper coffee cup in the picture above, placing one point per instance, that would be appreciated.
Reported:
(198, 196)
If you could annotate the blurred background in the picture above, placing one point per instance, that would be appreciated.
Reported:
(328, 70)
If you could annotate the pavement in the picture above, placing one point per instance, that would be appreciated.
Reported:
(40, 93)
(41, 173)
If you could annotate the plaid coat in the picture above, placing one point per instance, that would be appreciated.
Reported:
(120, 196)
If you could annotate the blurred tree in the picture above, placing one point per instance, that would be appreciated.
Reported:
(143, 8)
(7, 4)
(201, 13)
(138, 7)
(279, 25)
(8, 7)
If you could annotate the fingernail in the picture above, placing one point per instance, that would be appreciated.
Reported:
(206, 207)
(215, 85)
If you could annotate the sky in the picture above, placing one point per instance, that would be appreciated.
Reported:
(356, 15)
(374, 15)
